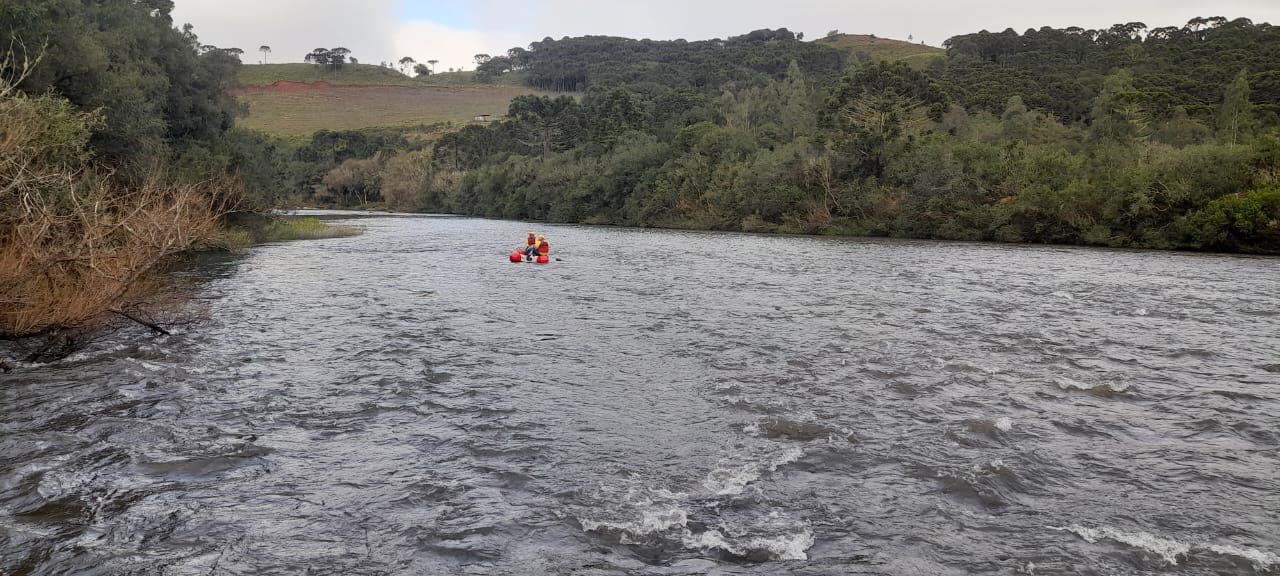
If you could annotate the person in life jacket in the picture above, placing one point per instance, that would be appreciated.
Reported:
(539, 247)
(530, 241)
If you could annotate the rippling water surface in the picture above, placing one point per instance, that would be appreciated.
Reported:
(408, 402)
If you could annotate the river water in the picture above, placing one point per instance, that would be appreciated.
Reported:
(656, 402)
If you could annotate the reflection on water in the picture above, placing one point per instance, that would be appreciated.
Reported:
(408, 402)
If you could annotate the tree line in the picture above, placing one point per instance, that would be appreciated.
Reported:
(1162, 138)
(576, 64)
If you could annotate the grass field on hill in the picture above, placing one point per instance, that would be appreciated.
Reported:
(265, 74)
(361, 74)
(916, 55)
(468, 78)
(294, 109)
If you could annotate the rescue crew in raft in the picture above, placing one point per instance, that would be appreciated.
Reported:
(539, 247)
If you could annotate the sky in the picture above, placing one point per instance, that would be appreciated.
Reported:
(453, 32)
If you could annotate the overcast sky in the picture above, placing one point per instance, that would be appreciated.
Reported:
(453, 31)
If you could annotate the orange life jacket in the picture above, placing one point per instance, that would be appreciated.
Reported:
(544, 247)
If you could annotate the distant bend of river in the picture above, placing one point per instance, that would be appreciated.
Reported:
(658, 402)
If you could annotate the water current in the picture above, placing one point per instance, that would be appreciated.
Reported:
(657, 402)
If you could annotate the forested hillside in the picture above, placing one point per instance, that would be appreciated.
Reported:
(1174, 69)
(1162, 138)
(576, 64)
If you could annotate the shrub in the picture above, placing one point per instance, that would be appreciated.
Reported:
(74, 244)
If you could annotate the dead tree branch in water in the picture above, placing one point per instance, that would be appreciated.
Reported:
(152, 325)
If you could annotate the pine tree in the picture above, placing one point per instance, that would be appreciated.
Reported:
(798, 114)
(1235, 116)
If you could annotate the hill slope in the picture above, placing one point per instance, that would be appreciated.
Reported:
(917, 55)
(299, 99)
(294, 108)
(266, 74)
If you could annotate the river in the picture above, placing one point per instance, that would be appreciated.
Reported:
(661, 402)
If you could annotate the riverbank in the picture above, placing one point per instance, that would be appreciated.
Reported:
(265, 229)
(53, 314)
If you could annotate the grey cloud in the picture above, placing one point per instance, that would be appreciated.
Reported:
(930, 20)
(294, 27)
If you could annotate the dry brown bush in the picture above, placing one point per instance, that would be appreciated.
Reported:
(74, 244)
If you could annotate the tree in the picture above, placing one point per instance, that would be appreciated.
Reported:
(482, 58)
(798, 115)
(878, 105)
(547, 124)
(264, 49)
(338, 56)
(319, 57)
(1119, 112)
(433, 65)
(519, 58)
(614, 113)
(407, 63)
(328, 58)
(421, 70)
(151, 81)
(1235, 115)
(406, 181)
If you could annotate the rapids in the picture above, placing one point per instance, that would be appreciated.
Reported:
(659, 402)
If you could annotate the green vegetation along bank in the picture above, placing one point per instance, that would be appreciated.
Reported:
(1128, 136)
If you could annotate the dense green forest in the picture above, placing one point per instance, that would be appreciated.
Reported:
(574, 64)
(1161, 138)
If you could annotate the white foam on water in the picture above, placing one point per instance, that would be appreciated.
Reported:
(649, 511)
(1118, 386)
(1140, 312)
(152, 366)
(1069, 384)
(1172, 550)
(1262, 561)
(1169, 550)
(1004, 424)
(651, 521)
(1063, 295)
(643, 513)
(792, 546)
(81, 356)
(734, 480)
